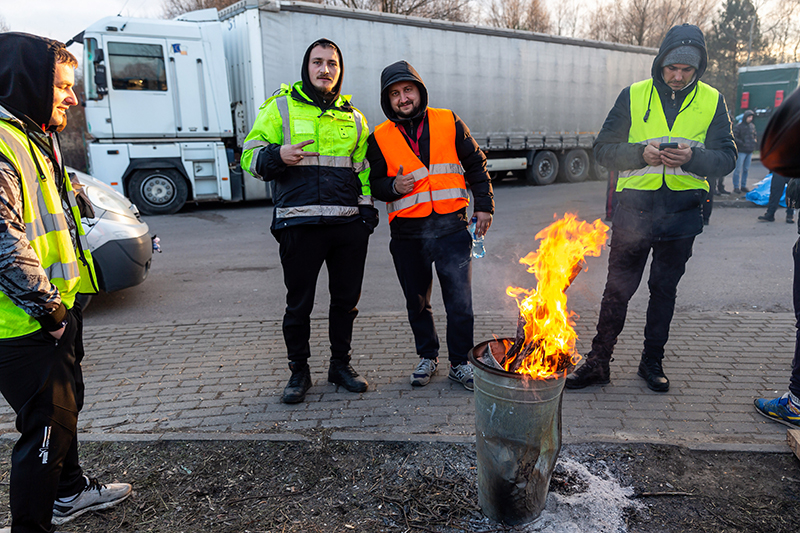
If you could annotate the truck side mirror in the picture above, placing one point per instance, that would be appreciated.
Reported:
(100, 80)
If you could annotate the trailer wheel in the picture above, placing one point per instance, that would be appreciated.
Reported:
(158, 192)
(575, 166)
(544, 169)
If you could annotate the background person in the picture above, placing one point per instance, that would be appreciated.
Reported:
(44, 263)
(746, 143)
(422, 160)
(776, 187)
(660, 193)
(312, 143)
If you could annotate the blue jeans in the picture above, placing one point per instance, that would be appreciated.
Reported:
(414, 260)
(742, 166)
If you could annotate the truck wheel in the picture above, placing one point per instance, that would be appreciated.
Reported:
(158, 192)
(544, 169)
(576, 166)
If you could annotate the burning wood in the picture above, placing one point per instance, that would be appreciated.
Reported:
(545, 340)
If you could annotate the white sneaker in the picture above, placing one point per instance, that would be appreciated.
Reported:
(94, 497)
(462, 374)
(425, 369)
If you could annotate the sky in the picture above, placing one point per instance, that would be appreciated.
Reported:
(62, 20)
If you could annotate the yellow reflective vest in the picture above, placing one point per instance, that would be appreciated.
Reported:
(46, 228)
(689, 128)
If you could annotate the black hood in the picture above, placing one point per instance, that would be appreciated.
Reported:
(308, 87)
(27, 71)
(401, 71)
(684, 35)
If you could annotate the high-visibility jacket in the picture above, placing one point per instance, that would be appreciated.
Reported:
(320, 189)
(689, 128)
(47, 230)
(440, 187)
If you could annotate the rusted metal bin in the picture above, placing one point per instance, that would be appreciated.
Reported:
(518, 431)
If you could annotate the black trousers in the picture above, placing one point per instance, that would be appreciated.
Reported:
(303, 250)
(794, 381)
(626, 263)
(413, 261)
(42, 381)
(776, 187)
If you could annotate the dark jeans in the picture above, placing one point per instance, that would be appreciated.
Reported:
(451, 254)
(41, 380)
(626, 262)
(794, 381)
(776, 187)
(303, 250)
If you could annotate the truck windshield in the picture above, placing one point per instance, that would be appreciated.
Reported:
(137, 67)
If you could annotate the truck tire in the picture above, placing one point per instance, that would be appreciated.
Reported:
(575, 167)
(543, 170)
(158, 192)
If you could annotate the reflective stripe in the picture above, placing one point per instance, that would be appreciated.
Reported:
(446, 168)
(449, 194)
(360, 166)
(253, 161)
(63, 271)
(335, 161)
(419, 174)
(408, 201)
(316, 211)
(365, 200)
(255, 143)
(659, 171)
(283, 108)
(357, 117)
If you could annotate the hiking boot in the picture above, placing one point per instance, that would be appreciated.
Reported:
(422, 374)
(592, 372)
(650, 369)
(767, 218)
(93, 497)
(782, 410)
(463, 374)
(341, 373)
(299, 383)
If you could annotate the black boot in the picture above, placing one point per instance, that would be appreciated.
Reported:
(650, 369)
(593, 372)
(299, 383)
(341, 373)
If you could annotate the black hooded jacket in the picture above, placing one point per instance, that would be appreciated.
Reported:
(745, 134)
(665, 214)
(471, 156)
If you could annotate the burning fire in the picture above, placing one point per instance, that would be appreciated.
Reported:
(545, 341)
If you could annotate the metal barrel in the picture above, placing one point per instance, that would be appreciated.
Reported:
(518, 434)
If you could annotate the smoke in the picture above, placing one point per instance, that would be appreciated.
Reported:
(601, 508)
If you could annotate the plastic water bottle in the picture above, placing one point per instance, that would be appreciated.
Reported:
(478, 250)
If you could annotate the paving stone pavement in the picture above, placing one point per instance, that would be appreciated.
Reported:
(221, 379)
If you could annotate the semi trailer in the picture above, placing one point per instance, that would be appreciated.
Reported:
(169, 102)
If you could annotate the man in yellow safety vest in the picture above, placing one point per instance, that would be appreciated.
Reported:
(664, 135)
(44, 263)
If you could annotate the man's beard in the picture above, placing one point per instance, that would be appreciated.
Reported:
(411, 114)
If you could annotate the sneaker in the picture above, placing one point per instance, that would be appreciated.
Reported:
(782, 410)
(745, 189)
(463, 374)
(737, 191)
(94, 497)
(422, 374)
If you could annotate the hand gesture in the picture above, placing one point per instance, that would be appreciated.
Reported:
(403, 184)
(292, 154)
(483, 223)
(675, 157)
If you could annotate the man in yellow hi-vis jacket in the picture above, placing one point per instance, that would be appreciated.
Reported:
(664, 135)
(311, 143)
(44, 263)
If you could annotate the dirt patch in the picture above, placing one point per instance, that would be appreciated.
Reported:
(325, 486)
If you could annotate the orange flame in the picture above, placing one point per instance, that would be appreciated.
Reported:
(549, 342)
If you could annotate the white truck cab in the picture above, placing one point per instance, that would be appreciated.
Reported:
(158, 106)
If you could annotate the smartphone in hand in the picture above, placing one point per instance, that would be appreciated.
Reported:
(667, 145)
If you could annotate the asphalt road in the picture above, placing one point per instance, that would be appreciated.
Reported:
(220, 261)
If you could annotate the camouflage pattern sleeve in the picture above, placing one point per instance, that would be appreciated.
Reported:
(22, 278)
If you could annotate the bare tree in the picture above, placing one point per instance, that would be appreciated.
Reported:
(455, 10)
(565, 18)
(3, 25)
(780, 24)
(645, 22)
(530, 15)
(173, 8)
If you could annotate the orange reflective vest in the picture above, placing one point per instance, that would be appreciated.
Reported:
(440, 187)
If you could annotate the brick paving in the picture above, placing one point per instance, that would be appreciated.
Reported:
(222, 379)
